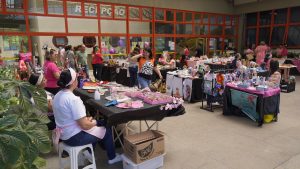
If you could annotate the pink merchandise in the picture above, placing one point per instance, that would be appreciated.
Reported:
(157, 98)
(135, 104)
(25, 56)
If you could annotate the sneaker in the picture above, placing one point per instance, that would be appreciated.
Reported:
(87, 155)
(116, 159)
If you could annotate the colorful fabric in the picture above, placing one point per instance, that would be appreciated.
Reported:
(246, 102)
(261, 51)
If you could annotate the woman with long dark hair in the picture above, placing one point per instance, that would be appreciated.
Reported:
(97, 63)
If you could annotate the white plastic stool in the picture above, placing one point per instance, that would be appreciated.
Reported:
(73, 154)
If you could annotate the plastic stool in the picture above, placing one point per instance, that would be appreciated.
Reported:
(73, 154)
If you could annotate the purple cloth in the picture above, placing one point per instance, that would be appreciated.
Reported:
(296, 62)
(252, 90)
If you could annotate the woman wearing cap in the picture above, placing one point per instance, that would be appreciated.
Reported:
(51, 72)
(39, 81)
(146, 66)
(70, 116)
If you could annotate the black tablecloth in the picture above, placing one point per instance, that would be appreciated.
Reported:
(214, 66)
(114, 115)
(197, 91)
(122, 78)
(109, 73)
(265, 105)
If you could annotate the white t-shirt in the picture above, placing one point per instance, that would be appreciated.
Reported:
(68, 108)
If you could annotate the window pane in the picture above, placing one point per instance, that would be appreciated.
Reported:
(120, 12)
(230, 30)
(90, 9)
(215, 46)
(228, 20)
(205, 18)
(277, 35)
(116, 44)
(55, 7)
(229, 43)
(142, 41)
(140, 27)
(12, 45)
(164, 28)
(36, 6)
(170, 16)
(251, 36)
(201, 29)
(179, 16)
(295, 13)
(220, 19)
(12, 23)
(188, 17)
(79, 25)
(46, 24)
(74, 8)
(15, 5)
(251, 19)
(190, 42)
(280, 16)
(294, 36)
(216, 30)
(265, 18)
(213, 19)
(234, 20)
(113, 26)
(159, 14)
(105, 11)
(264, 35)
(164, 43)
(134, 13)
(197, 18)
(184, 29)
(147, 14)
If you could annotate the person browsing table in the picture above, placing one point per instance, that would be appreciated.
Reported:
(146, 66)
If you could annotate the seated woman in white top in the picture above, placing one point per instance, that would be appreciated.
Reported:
(70, 116)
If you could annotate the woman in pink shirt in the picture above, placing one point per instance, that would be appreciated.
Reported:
(51, 72)
(260, 52)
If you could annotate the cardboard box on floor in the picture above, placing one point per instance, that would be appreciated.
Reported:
(144, 146)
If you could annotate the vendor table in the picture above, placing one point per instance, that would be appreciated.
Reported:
(195, 84)
(286, 70)
(251, 103)
(114, 115)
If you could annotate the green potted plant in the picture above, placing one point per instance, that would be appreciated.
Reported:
(23, 131)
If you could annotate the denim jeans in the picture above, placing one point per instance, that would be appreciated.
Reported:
(84, 138)
(133, 76)
(143, 83)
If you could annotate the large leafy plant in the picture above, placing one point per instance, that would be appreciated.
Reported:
(23, 131)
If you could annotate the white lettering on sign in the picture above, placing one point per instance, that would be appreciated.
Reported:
(87, 9)
(106, 11)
